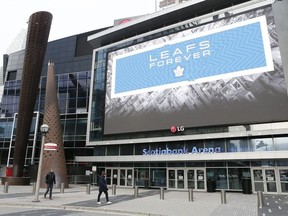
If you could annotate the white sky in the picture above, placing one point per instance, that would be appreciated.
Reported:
(69, 16)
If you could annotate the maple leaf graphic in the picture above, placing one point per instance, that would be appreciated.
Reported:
(178, 71)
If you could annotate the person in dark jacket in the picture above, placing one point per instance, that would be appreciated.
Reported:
(103, 188)
(50, 180)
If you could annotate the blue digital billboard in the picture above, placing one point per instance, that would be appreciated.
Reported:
(218, 72)
(230, 51)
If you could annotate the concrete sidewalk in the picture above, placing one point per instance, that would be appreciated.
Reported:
(148, 202)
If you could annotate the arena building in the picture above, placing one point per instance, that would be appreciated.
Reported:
(192, 96)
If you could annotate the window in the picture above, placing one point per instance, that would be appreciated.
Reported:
(112, 150)
(237, 145)
(11, 75)
(139, 148)
(261, 144)
(81, 126)
(235, 177)
(99, 151)
(218, 174)
(126, 149)
(191, 145)
(281, 143)
(175, 145)
(217, 145)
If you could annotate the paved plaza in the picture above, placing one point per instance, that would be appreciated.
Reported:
(148, 202)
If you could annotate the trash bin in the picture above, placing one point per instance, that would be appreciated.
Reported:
(211, 185)
(9, 171)
(146, 183)
(246, 186)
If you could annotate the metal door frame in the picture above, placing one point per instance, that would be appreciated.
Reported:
(264, 181)
(185, 178)
(116, 179)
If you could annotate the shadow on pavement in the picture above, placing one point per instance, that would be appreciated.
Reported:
(114, 199)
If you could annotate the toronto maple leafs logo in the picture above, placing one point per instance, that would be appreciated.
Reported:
(178, 71)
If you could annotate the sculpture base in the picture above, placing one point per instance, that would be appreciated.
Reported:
(15, 180)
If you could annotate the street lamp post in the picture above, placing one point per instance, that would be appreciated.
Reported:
(44, 129)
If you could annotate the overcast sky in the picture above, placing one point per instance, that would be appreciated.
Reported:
(69, 16)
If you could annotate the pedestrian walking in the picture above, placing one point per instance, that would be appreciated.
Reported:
(103, 188)
(50, 180)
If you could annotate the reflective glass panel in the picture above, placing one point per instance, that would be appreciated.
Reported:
(217, 145)
(281, 143)
(237, 145)
(261, 144)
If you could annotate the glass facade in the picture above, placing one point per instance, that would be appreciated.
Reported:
(73, 75)
(228, 158)
(157, 163)
(194, 147)
(227, 175)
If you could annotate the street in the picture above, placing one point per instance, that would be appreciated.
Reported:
(15, 211)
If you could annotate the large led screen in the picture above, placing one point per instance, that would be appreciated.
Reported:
(226, 72)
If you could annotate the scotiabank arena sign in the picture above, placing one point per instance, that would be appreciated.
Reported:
(184, 150)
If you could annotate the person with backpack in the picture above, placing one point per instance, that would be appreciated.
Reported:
(50, 180)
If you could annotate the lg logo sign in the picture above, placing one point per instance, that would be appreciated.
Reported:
(175, 129)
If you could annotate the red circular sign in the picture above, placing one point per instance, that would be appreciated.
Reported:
(173, 129)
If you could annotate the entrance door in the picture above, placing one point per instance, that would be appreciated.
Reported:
(196, 179)
(283, 176)
(112, 176)
(126, 177)
(180, 178)
(119, 176)
(264, 179)
(171, 178)
(176, 178)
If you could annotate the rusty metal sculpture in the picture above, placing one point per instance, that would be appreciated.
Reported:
(36, 44)
(53, 159)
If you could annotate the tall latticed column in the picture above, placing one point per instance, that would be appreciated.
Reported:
(53, 159)
(36, 43)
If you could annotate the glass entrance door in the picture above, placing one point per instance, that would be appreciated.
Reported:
(119, 176)
(171, 178)
(283, 176)
(200, 179)
(264, 179)
(126, 177)
(180, 178)
(176, 178)
(196, 179)
(112, 176)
